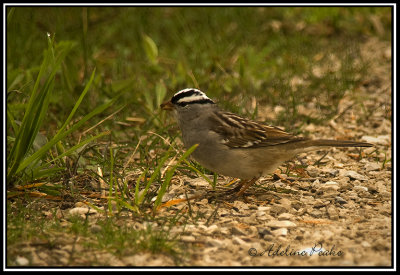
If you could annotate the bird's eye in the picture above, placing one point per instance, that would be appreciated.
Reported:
(183, 105)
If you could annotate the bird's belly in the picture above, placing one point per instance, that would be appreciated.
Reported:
(239, 163)
(232, 163)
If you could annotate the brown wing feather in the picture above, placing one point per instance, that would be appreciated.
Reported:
(254, 134)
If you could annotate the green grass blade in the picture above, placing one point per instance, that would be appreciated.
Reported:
(38, 154)
(111, 181)
(170, 174)
(198, 172)
(10, 15)
(161, 92)
(150, 49)
(137, 190)
(79, 101)
(127, 205)
(153, 177)
(15, 150)
(11, 119)
(80, 144)
(36, 109)
(37, 106)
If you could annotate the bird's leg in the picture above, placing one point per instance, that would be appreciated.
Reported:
(238, 190)
(230, 193)
(237, 187)
(231, 183)
(246, 185)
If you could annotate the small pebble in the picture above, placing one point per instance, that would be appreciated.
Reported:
(82, 211)
(280, 232)
(21, 260)
(237, 231)
(373, 166)
(331, 183)
(354, 175)
(188, 238)
(239, 241)
(212, 229)
(313, 171)
(285, 216)
(263, 231)
(360, 188)
(340, 200)
(383, 139)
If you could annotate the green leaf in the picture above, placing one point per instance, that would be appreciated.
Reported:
(161, 91)
(11, 119)
(10, 15)
(38, 154)
(80, 144)
(60, 134)
(36, 109)
(149, 101)
(150, 49)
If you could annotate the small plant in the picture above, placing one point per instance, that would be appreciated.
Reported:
(21, 160)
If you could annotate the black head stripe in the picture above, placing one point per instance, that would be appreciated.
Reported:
(187, 93)
(202, 101)
(190, 96)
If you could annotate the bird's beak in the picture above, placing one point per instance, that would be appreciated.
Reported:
(167, 105)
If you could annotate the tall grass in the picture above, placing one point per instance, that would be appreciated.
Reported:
(22, 162)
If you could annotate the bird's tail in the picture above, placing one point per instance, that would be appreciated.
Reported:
(305, 145)
(339, 143)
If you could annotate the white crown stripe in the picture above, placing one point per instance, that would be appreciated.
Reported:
(187, 90)
(192, 98)
(190, 90)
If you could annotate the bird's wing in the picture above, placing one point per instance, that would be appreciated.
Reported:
(239, 132)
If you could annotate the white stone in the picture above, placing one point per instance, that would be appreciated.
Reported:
(237, 240)
(260, 213)
(188, 238)
(212, 229)
(383, 139)
(365, 244)
(330, 183)
(354, 175)
(285, 216)
(280, 232)
(312, 171)
(373, 166)
(21, 260)
(82, 211)
(360, 188)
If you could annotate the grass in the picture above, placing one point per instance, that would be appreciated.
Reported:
(83, 103)
(27, 226)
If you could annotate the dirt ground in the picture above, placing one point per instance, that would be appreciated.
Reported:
(337, 213)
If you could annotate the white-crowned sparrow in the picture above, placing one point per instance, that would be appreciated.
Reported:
(235, 146)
